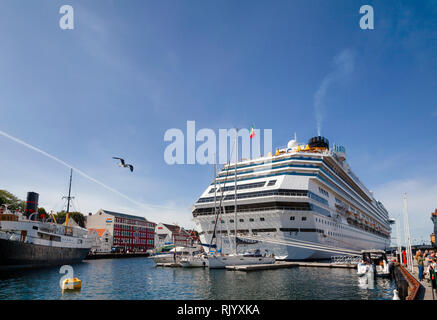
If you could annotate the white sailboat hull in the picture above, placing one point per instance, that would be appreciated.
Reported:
(220, 262)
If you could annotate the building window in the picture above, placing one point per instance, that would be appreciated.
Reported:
(251, 220)
(304, 218)
(291, 218)
(241, 220)
(261, 219)
(231, 221)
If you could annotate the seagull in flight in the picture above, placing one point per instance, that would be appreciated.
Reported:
(123, 164)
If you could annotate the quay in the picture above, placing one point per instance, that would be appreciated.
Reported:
(280, 265)
(116, 255)
(425, 289)
(273, 266)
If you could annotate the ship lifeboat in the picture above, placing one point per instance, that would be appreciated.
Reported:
(71, 284)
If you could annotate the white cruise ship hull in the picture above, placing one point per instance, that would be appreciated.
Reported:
(336, 234)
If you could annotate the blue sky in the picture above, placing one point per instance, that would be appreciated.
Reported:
(130, 70)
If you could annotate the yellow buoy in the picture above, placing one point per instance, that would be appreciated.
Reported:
(71, 284)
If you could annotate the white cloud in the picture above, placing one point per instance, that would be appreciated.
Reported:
(344, 64)
(421, 199)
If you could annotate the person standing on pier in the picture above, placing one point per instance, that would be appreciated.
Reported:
(419, 259)
(425, 263)
(432, 274)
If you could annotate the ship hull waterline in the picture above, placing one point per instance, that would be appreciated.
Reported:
(19, 255)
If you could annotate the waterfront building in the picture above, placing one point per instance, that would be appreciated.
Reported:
(168, 233)
(302, 193)
(102, 240)
(132, 233)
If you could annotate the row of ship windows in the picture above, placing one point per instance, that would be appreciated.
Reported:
(324, 192)
(244, 186)
(260, 219)
(292, 218)
(295, 230)
(228, 172)
(241, 220)
(278, 192)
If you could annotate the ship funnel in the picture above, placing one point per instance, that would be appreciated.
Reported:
(31, 203)
(319, 142)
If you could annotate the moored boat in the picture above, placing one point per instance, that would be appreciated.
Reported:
(26, 242)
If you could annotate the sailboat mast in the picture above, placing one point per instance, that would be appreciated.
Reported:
(215, 190)
(69, 192)
(235, 188)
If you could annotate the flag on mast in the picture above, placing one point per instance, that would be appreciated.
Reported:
(252, 132)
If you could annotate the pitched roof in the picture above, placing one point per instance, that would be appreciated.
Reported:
(100, 232)
(174, 229)
(123, 215)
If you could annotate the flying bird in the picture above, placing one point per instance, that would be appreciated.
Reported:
(123, 164)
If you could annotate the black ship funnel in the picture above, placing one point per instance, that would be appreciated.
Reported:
(319, 142)
(31, 204)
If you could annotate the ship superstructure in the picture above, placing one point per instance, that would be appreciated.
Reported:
(302, 192)
(27, 241)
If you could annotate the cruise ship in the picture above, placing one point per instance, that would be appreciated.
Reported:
(304, 193)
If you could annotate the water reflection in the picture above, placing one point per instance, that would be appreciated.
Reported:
(138, 278)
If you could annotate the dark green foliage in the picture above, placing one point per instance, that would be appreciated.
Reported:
(78, 217)
(11, 201)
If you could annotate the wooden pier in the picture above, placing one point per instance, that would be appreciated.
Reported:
(280, 265)
(424, 291)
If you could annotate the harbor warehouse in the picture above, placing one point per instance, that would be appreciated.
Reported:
(130, 232)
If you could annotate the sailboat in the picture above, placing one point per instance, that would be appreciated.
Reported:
(217, 261)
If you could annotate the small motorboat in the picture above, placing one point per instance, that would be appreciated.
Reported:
(365, 268)
(376, 261)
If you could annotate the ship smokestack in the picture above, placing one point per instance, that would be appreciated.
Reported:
(319, 142)
(31, 203)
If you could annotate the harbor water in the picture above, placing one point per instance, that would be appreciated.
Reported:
(138, 279)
